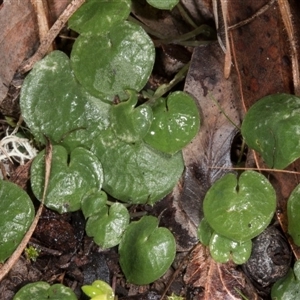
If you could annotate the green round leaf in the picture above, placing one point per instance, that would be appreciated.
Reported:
(135, 173)
(204, 232)
(223, 249)
(93, 202)
(286, 288)
(242, 208)
(71, 178)
(108, 63)
(129, 123)
(271, 127)
(293, 213)
(16, 215)
(163, 4)
(175, 122)
(43, 291)
(107, 227)
(146, 251)
(98, 16)
(54, 105)
(99, 288)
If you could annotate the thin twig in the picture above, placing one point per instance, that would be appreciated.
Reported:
(17, 253)
(256, 169)
(51, 35)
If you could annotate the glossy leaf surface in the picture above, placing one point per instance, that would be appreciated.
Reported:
(129, 123)
(99, 16)
(242, 208)
(136, 173)
(71, 178)
(223, 249)
(204, 232)
(163, 4)
(43, 291)
(272, 128)
(99, 290)
(93, 202)
(146, 251)
(293, 212)
(108, 225)
(17, 213)
(175, 122)
(122, 59)
(54, 105)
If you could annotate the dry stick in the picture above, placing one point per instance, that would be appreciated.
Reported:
(258, 13)
(51, 35)
(17, 253)
(256, 169)
(42, 14)
(286, 15)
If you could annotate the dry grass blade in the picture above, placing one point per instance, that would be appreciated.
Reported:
(17, 253)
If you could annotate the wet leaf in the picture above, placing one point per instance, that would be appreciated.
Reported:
(17, 213)
(146, 251)
(108, 225)
(122, 59)
(175, 122)
(99, 16)
(54, 105)
(135, 173)
(242, 208)
(165, 4)
(71, 178)
(271, 127)
(223, 249)
(293, 213)
(129, 123)
(44, 291)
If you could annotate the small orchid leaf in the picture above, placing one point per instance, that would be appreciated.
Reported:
(223, 249)
(99, 16)
(17, 213)
(288, 287)
(163, 4)
(44, 291)
(54, 105)
(108, 226)
(146, 251)
(93, 202)
(175, 123)
(129, 123)
(122, 59)
(242, 208)
(135, 173)
(71, 178)
(293, 213)
(204, 232)
(99, 290)
(271, 127)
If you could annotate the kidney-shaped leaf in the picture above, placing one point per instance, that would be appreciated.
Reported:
(54, 105)
(93, 202)
(106, 64)
(98, 16)
(129, 123)
(108, 226)
(44, 291)
(271, 127)
(175, 122)
(146, 251)
(16, 215)
(71, 178)
(163, 4)
(223, 249)
(293, 212)
(242, 208)
(135, 173)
